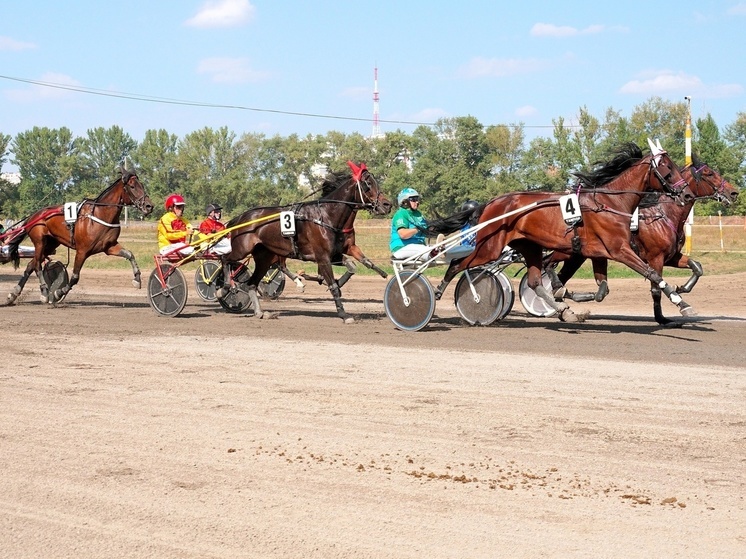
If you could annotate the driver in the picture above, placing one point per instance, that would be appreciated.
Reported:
(408, 226)
(174, 229)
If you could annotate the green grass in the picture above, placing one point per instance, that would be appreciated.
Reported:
(373, 237)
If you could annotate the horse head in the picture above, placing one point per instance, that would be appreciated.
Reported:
(369, 192)
(134, 191)
(709, 184)
(669, 177)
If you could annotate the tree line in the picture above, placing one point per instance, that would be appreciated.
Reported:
(447, 163)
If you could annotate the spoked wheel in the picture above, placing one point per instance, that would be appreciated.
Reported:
(272, 284)
(534, 304)
(204, 279)
(169, 299)
(237, 299)
(55, 276)
(508, 293)
(414, 313)
(479, 297)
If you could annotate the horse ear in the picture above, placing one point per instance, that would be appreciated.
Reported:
(653, 147)
(658, 145)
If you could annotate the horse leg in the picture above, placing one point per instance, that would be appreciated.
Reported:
(80, 258)
(532, 257)
(351, 269)
(601, 273)
(325, 271)
(628, 257)
(355, 252)
(119, 250)
(13, 295)
(655, 293)
(697, 272)
(300, 286)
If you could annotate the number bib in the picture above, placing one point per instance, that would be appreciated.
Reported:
(287, 224)
(70, 210)
(570, 206)
(634, 221)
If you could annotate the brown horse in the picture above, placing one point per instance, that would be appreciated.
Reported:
(532, 221)
(93, 228)
(658, 239)
(311, 231)
(349, 251)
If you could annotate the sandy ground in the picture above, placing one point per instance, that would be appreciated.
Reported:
(125, 434)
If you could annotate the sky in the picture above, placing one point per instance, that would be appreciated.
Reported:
(282, 68)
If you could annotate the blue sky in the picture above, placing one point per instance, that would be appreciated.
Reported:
(501, 62)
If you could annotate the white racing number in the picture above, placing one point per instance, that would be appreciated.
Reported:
(570, 207)
(70, 210)
(287, 224)
(634, 221)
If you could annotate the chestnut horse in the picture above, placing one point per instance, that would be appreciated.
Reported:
(658, 239)
(95, 229)
(317, 232)
(533, 221)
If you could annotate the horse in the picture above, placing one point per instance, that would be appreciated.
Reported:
(349, 251)
(317, 229)
(93, 228)
(533, 221)
(658, 240)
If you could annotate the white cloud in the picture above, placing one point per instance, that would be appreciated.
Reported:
(7, 43)
(526, 110)
(230, 70)
(664, 82)
(500, 67)
(551, 30)
(223, 13)
(738, 10)
(54, 91)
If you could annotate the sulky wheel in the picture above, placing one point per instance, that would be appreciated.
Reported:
(237, 299)
(55, 276)
(508, 293)
(272, 284)
(168, 299)
(414, 313)
(479, 297)
(534, 304)
(204, 279)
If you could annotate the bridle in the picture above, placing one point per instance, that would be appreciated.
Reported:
(675, 190)
(718, 192)
(139, 202)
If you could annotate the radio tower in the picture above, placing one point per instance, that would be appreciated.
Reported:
(376, 126)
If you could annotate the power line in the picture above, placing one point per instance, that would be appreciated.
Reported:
(168, 101)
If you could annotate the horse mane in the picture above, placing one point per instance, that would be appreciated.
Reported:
(332, 181)
(623, 157)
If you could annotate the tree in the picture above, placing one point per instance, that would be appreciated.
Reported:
(505, 151)
(46, 159)
(662, 120)
(155, 159)
(99, 154)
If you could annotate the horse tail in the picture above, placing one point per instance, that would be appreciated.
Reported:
(13, 246)
(453, 223)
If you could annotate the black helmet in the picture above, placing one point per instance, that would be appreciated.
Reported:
(212, 208)
(469, 205)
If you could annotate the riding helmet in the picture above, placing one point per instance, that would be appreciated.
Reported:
(406, 194)
(174, 200)
(469, 205)
(212, 208)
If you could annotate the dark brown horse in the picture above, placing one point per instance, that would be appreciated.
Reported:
(349, 250)
(532, 221)
(658, 240)
(318, 232)
(92, 228)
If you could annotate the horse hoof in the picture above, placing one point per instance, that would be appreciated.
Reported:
(560, 293)
(688, 311)
(568, 316)
(44, 299)
(222, 292)
(137, 284)
(349, 320)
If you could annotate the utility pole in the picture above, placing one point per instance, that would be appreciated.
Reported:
(688, 161)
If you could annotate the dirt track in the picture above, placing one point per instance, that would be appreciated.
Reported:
(123, 434)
